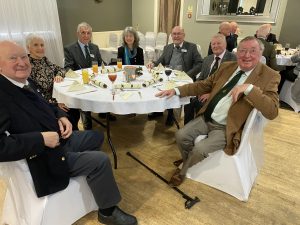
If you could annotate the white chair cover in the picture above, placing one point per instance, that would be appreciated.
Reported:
(22, 207)
(286, 95)
(113, 40)
(235, 174)
(161, 41)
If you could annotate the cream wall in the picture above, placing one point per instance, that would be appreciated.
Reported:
(144, 15)
(201, 32)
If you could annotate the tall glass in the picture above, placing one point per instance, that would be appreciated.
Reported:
(112, 77)
(85, 76)
(95, 67)
(168, 71)
(119, 63)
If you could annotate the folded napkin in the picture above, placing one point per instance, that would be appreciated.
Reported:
(128, 86)
(181, 75)
(126, 95)
(71, 74)
(99, 83)
(152, 81)
(169, 85)
(76, 86)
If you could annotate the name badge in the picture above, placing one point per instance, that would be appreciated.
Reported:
(183, 50)
(92, 55)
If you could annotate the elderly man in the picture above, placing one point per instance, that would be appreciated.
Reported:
(235, 89)
(210, 64)
(225, 29)
(80, 55)
(179, 54)
(32, 129)
(269, 52)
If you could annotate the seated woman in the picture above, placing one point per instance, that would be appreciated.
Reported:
(130, 52)
(44, 73)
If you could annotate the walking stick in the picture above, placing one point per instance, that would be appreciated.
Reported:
(189, 201)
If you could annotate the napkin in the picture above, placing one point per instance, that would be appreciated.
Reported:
(181, 75)
(99, 83)
(71, 74)
(126, 95)
(152, 81)
(169, 85)
(76, 86)
(128, 86)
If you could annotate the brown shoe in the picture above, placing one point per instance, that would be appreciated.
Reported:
(176, 179)
(177, 162)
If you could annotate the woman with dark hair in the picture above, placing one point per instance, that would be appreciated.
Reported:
(130, 52)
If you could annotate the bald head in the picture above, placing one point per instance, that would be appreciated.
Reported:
(14, 62)
(225, 28)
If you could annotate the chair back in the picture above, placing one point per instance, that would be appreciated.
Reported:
(150, 39)
(161, 39)
(113, 40)
(142, 40)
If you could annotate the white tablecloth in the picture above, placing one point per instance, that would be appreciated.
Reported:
(125, 102)
(284, 59)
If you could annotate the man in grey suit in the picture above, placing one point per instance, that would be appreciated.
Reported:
(179, 54)
(210, 64)
(79, 55)
(34, 130)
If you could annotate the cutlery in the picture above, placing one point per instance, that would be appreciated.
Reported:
(81, 93)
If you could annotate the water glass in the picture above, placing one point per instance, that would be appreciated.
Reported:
(95, 67)
(85, 76)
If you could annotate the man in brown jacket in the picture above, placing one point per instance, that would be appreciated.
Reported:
(235, 89)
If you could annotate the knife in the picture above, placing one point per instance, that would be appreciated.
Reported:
(81, 93)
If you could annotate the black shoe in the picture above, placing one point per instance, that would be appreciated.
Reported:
(111, 117)
(170, 121)
(118, 217)
(153, 115)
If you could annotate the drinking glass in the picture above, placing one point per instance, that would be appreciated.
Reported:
(85, 76)
(119, 63)
(168, 71)
(95, 67)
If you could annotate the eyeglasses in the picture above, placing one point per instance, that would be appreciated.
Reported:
(176, 34)
(251, 51)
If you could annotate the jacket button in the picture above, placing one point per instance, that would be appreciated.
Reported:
(63, 158)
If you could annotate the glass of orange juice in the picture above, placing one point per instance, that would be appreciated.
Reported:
(119, 63)
(85, 76)
(95, 67)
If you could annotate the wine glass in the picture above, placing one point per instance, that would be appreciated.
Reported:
(112, 77)
(168, 71)
(287, 46)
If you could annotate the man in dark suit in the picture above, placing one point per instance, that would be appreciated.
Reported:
(179, 53)
(80, 55)
(210, 65)
(235, 89)
(32, 129)
(231, 40)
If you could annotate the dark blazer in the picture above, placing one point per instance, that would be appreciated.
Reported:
(208, 60)
(270, 55)
(21, 124)
(137, 60)
(263, 97)
(74, 57)
(272, 38)
(231, 42)
(192, 60)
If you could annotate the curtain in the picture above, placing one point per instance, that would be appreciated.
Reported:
(21, 17)
(169, 15)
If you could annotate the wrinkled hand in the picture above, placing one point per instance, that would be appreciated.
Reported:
(238, 90)
(65, 127)
(63, 107)
(51, 139)
(168, 93)
(58, 79)
(204, 97)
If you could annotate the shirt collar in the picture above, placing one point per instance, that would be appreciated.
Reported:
(179, 45)
(247, 73)
(81, 44)
(17, 83)
(221, 55)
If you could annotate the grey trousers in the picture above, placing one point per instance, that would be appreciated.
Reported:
(193, 153)
(85, 159)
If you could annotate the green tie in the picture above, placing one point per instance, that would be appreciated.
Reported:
(222, 93)
(87, 55)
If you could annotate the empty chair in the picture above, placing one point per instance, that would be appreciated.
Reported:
(286, 95)
(235, 174)
(23, 207)
(113, 40)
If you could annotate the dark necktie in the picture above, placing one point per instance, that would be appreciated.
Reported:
(222, 93)
(28, 88)
(87, 55)
(215, 66)
(177, 47)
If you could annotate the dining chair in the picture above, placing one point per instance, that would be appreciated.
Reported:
(23, 207)
(285, 95)
(234, 174)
